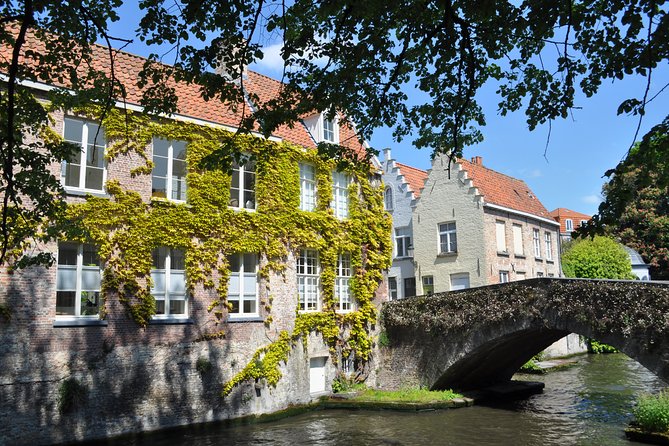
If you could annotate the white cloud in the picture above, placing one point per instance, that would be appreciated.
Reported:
(272, 62)
(591, 199)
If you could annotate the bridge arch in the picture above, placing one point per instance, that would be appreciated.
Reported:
(481, 336)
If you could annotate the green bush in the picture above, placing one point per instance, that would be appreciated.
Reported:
(71, 395)
(408, 395)
(652, 412)
(343, 383)
(597, 347)
(597, 258)
(531, 367)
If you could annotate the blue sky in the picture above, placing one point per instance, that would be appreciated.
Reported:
(580, 150)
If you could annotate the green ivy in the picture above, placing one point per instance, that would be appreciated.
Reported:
(127, 229)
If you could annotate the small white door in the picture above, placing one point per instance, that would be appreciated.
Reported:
(459, 281)
(317, 374)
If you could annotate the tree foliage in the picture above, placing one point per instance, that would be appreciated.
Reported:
(636, 205)
(355, 57)
(596, 258)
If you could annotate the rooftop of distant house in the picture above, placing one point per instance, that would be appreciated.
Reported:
(414, 177)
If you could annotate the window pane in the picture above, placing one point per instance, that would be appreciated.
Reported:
(250, 283)
(249, 199)
(250, 305)
(89, 303)
(177, 260)
(159, 255)
(90, 255)
(65, 303)
(72, 172)
(93, 178)
(235, 264)
(96, 135)
(177, 305)
(160, 148)
(160, 306)
(177, 282)
(159, 166)
(158, 278)
(178, 189)
(179, 150)
(66, 279)
(95, 156)
(235, 304)
(234, 189)
(73, 130)
(159, 187)
(233, 285)
(90, 279)
(67, 253)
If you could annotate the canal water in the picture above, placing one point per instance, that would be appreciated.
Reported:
(588, 404)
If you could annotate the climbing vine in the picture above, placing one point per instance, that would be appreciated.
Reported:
(129, 225)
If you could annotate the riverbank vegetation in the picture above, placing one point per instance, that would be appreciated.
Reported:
(406, 395)
(652, 412)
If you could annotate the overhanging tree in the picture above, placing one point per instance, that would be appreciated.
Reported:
(355, 57)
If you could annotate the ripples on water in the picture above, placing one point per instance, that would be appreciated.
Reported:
(589, 404)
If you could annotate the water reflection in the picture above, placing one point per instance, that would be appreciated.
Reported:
(585, 405)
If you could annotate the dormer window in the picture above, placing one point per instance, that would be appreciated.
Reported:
(329, 130)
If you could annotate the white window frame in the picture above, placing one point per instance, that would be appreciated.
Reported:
(518, 245)
(168, 295)
(569, 224)
(536, 242)
(388, 198)
(500, 233)
(403, 242)
(428, 281)
(242, 186)
(448, 237)
(333, 131)
(548, 241)
(340, 201)
(342, 283)
(393, 291)
(503, 277)
(308, 187)
(242, 294)
(308, 281)
(79, 269)
(169, 179)
(83, 144)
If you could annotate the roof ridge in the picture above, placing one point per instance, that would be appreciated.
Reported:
(492, 170)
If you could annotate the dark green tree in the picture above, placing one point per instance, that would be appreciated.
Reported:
(355, 57)
(636, 201)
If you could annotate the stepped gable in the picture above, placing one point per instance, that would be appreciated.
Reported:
(503, 190)
(414, 177)
(190, 103)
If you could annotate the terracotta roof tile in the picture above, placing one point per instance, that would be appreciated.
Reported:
(504, 190)
(190, 102)
(414, 176)
(561, 215)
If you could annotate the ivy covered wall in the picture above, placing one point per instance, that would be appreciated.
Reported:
(127, 227)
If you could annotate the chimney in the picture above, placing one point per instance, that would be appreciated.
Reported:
(477, 160)
(386, 154)
(228, 65)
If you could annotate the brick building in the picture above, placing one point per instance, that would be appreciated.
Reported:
(189, 278)
(474, 226)
(569, 221)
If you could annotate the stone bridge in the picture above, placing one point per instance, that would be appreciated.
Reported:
(481, 336)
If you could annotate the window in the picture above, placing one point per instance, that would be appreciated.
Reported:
(518, 240)
(410, 287)
(503, 276)
(549, 246)
(86, 169)
(448, 241)
(520, 275)
(329, 130)
(459, 281)
(342, 289)
(403, 242)
(243, 285)
(308, 280)
(500, 230)
(77, 280)
(537, 243)
(168, 179)
(392, 288)
(339, 201)
(569, 225)
(388, 199)
(243, 185)
(428, 285)
(169, 282)
(540, 274)
(307, 187)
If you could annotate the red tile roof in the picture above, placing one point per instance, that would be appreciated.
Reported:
(562, 214)
(503, 190)
(190, 102)
(415, 177)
